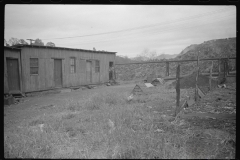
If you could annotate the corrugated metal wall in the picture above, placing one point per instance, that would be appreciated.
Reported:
(45, 79)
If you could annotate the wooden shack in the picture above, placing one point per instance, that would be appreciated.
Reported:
(12, 70)
(45, 67)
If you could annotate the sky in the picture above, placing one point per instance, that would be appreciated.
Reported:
(125, 29)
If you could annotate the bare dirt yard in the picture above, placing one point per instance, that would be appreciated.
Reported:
(103, 123)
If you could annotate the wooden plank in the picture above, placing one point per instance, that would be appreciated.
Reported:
(137, 90)
(190, 102)
(188, 60)
(177, 110)
(200, 93)
(184, 104)
(167, 69)
(210, 77)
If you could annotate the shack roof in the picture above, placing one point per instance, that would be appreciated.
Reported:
(6, 47)
(63, 48)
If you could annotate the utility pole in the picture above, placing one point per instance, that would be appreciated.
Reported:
(31, 41)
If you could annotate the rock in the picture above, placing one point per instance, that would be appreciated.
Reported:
(129, 98)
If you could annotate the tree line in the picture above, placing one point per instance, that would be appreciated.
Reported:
(38, 42)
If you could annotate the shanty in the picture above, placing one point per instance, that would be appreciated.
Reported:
(29, 68)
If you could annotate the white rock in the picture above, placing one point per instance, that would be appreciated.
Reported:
(130, 97)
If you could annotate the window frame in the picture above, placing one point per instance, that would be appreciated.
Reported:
(97, 67)
(72, 65)
(34, 66)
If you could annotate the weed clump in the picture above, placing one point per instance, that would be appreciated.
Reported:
(75, 106)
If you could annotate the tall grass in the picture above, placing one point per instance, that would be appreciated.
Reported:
(102, 126)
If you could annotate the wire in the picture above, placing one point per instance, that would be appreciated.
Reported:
(157, 31)
(178, 28)
(148, 26)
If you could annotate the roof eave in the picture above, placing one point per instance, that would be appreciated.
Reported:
(64, 48)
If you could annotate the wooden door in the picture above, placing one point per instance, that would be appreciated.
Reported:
(89, 72)
(13, 75)
(110, 70)
(58, 72)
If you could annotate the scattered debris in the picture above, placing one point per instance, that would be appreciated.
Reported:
(113, 82)
(222, 86)
(129, 98)
(66, 90)
(20, 100)
(159, 130)
(200, 93)
(149, 85)
(137, 90)
(184, 105)
(83, 88)
(157, 81)
(190, 102)
(89, 87)
(9, 99)
(41, 127)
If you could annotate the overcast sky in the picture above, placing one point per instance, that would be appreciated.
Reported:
(125, 29)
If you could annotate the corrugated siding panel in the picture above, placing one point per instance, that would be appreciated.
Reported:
(45, 79)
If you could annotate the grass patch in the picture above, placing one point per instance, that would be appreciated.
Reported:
(107, 126)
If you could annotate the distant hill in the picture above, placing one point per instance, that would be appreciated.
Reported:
(159, 57)
(219, 48)
(123, 60)
(191, 47)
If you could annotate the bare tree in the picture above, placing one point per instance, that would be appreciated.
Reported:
(13, 41)
(51, 44)
(22, 41)
(5, 43)
(38, 42)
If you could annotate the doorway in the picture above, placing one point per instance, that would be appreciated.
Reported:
(89, 72)
(111, 70)
(58, 72)
(13, 75)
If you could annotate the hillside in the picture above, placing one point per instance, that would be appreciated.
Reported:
(210, 49)
(123, 60)
(158, 57)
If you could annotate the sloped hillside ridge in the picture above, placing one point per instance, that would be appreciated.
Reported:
(218, 48)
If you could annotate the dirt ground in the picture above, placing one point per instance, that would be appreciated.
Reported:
(208, 127)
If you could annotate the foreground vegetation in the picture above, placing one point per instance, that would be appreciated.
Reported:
(107, 125)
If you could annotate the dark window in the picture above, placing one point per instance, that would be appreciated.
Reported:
(97, 66)
(72, 65)
(33, 66)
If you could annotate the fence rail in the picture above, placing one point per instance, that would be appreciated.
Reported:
(189, 60)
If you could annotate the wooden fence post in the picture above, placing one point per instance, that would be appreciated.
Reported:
(227, 66)
(177, 110)
(167, 69)
(224, 68)
(219, 68)
(196, 88)
(210, 77)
